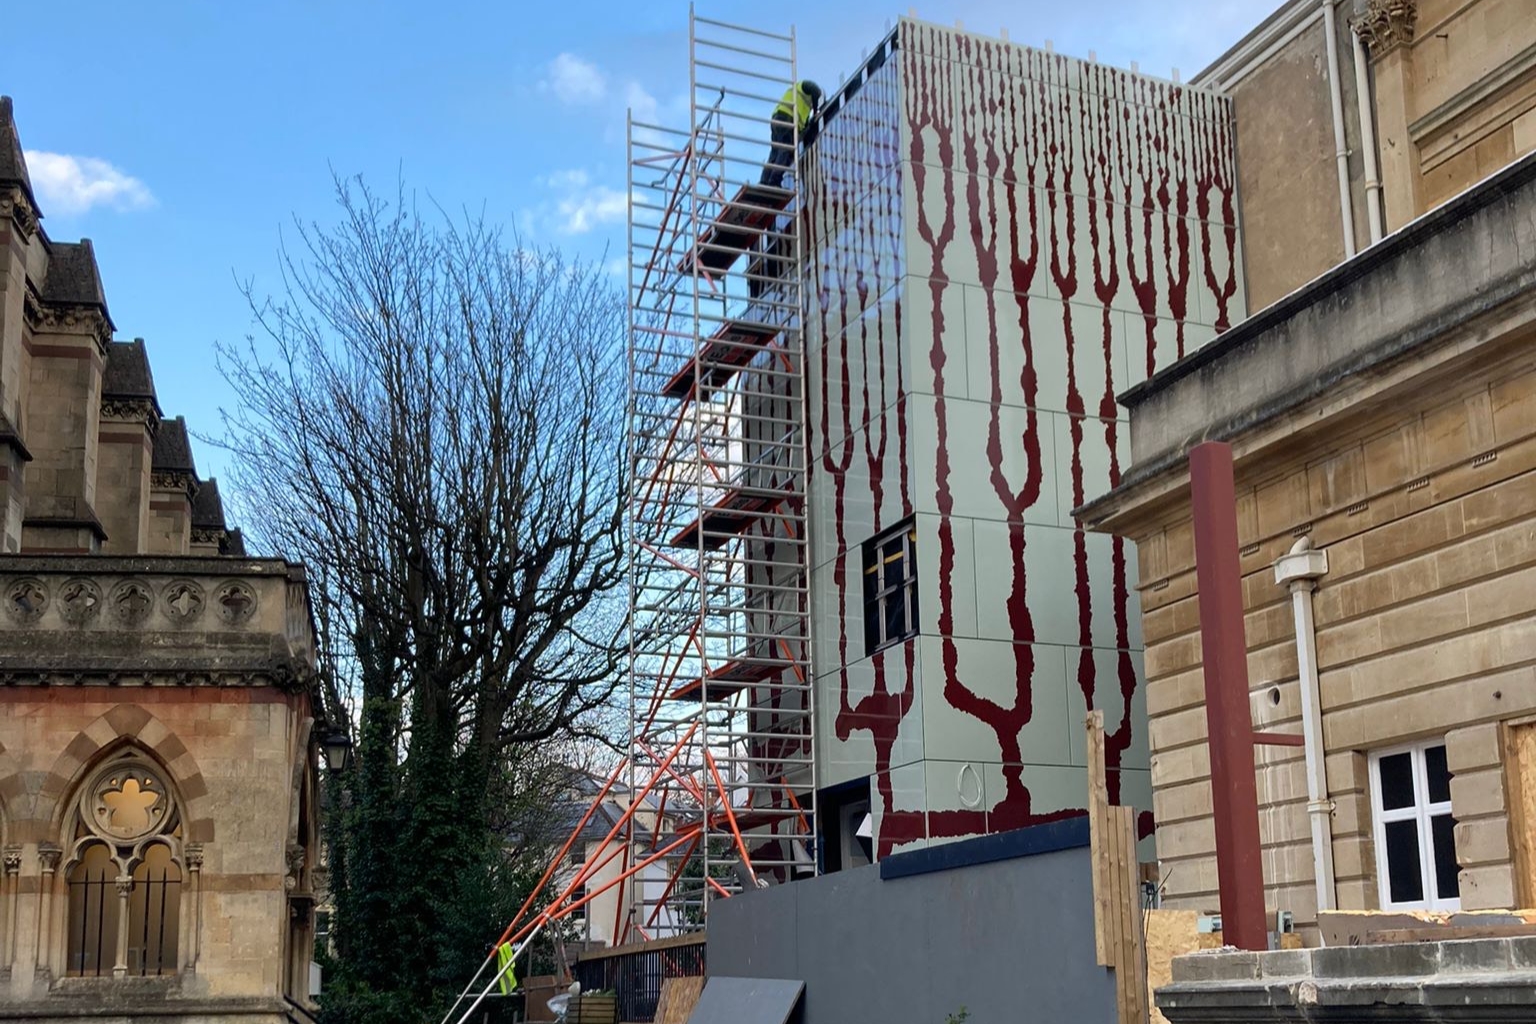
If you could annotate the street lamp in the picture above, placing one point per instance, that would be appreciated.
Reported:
(337, 748)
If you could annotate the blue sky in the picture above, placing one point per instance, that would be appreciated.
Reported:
(183, 137)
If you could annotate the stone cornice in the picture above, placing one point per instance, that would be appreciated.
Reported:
(131, 410)
(177, 565)
(88, 521)
(12, 440)
(173, 480)
(1352, 327)
(159, 998)
(291, 679)
(1386, 25)
(16, 205)
(70, 318)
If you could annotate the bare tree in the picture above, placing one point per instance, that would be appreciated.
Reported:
(430, 418)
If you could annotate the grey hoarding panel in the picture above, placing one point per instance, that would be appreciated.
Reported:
(746, 1001)
(1011, 941)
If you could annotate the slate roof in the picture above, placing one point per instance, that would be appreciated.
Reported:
(568, 813)
(13, 165)
(207, 507)
(173, 448)
(234, 544)
(127, 373)
(72, 276)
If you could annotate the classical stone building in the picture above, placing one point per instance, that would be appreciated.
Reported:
(1378, 408)
(1356, 116)
(1386, 413)
(157, 703)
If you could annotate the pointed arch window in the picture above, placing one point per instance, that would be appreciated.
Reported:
(154, 908)
(125, 873)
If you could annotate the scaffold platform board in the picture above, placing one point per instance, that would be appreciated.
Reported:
(728, 680)
(749, 821)
(730, 514)
(732, 347)
(741, 222)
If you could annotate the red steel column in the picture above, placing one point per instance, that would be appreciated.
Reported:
(1234, 797)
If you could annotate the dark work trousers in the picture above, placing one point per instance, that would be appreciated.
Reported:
(782, 157)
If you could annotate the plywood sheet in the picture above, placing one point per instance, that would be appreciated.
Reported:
(1170, 933)
(678, 998)
(1098, 803)
(1130, 957)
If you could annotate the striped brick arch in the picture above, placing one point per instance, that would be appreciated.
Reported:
(124, 726)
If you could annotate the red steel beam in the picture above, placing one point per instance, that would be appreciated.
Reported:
(1239, 869)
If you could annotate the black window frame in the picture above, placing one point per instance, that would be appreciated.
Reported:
(888, 567)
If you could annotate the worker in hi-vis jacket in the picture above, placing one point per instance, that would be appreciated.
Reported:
(796, 109)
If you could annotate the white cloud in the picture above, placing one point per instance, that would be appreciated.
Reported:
(580, 205)
(592, 207)
(574, 80)
(73, 184)
(642, 105)
(566, 180)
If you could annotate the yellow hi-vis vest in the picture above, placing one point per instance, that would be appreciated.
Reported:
(796, 103)
(508, 980)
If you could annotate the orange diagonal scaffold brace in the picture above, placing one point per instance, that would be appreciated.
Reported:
(805, 825)
(628, 815)
(628, 812)
(730, 816)
(557, 912)
(559, 857)
(677, 875)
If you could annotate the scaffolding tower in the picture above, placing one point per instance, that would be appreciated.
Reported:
(719, 658)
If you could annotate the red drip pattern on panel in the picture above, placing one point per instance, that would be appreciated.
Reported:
(1082, 193)
(853, 197)
(1026, 141)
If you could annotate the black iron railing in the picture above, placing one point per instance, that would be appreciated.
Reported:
(154, 905)
(635, 972)
(153, 908)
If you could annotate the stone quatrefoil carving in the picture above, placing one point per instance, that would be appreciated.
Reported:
(79, 601)
(236, 601)
(131, 602)
(183, 601)
(26, 600)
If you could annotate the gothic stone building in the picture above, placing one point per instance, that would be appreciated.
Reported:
(157, 712)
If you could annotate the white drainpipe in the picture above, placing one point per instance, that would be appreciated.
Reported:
(1336, 96)
(1300, 570)
(1373, 209)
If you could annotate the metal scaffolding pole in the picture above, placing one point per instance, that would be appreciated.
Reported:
(720, 605)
